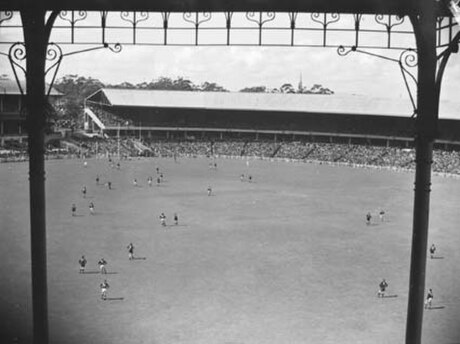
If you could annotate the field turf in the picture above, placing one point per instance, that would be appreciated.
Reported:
(285, 259)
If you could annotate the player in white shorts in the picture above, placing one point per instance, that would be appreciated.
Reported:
(82, 262)
(163, 219)
(104, 287)
(429, 299)
(102, 263)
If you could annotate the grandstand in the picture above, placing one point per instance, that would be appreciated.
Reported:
(348, 119)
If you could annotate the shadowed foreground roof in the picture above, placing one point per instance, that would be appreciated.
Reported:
(313, 103)
(342, 6)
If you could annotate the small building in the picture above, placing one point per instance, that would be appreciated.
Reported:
(12, 113)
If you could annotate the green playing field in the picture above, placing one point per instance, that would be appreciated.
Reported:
(287, 258)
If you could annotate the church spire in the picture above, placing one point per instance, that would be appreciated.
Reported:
(300, 83)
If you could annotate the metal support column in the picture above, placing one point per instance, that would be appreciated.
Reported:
(426, 129)
(36, 34)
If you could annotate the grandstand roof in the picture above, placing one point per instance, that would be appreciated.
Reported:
(336, 103)
(8, 86)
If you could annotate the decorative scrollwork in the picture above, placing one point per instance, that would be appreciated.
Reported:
(7, 16)
(17, 52)
(269, 16)
(188, 17)
(115, 48)
(81, 15)
(408, 58)
(73, 17)
(53, 53)
(389, 24)
(205, 16)
(135, 19)
(342, 51)
(17, 55)
(328, 18)
(54, 57)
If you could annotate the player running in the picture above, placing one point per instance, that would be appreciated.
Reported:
(82, 262)
(102, 263)
(109, 185)
(83, 191)
(209, 190)
(242, 178)
(149, 181)
(432, 250)
(429, 299)
(104, 287)
(97, 180)
(130, 248)
(382, 287)
(74, 210)
(158, 181)
(91, 208)
(382, 216)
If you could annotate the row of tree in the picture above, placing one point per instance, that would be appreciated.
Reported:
(288, 88)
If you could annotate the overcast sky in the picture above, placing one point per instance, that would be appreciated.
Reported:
(237, 67)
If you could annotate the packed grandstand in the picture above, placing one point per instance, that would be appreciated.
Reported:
(446, 162)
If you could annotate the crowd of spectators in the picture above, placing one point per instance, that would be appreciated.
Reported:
(446, 161)
(349, 154)
(109, 119)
